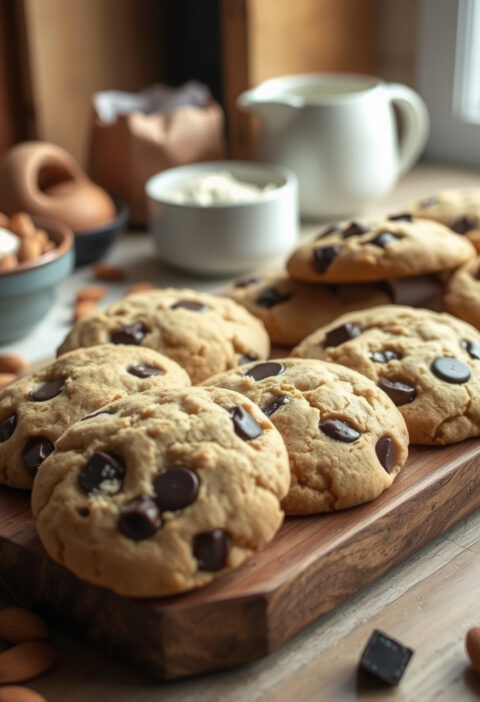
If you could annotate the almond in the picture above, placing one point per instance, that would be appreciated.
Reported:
(4, 221)
(91, 292)
(25, 660)
(6, 378)
(30, 248)
(22, 225)
(17, 693)
(12, 363)
(8, 262)
(83, 308)
(18, 624)
(472, 645)
(102, 271)
(140, 287)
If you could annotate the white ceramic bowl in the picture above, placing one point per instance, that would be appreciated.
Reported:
(224, 238)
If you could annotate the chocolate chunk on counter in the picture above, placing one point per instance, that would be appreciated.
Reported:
(385, 658)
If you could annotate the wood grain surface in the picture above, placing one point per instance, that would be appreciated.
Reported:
(312, 566)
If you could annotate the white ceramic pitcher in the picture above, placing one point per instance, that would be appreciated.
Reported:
(339, 134)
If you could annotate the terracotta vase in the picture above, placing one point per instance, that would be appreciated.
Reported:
(44, 180)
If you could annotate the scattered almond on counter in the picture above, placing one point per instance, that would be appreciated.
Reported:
(140, 287)
(472, 645)
(91, 292)
(17, 693)
(103, 271)
(83, 308)
(18, 624)
(12, 363)
(25, 660)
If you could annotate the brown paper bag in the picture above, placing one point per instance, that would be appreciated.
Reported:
(123, 154)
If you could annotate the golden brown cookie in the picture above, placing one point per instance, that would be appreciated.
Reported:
(373, 249)
(427, 362)
(36, 409)
(456, 208)
(163, 493)
(204, 333)
(462, 292)
(291, 309)
(345, 438)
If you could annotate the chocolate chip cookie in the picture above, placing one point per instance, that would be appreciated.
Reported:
(462, 292)
(345, 438)
(204, 333)
(291, 310)
(457, 208)
(427, 362)
(162, 492)
(366, 250)
(36, 409)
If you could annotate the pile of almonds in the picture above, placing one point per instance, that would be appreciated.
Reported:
(29, 656)
(33, 242)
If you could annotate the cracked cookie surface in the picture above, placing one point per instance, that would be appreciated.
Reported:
(37, 408)
(204, 333)
(345, 438)
(373, 249)
(163, 493)
(427, 362)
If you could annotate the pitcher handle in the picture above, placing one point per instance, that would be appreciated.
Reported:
(416, 124)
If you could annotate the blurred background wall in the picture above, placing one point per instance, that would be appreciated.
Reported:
(55, 53)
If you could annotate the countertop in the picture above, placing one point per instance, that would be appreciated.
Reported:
(428, 603)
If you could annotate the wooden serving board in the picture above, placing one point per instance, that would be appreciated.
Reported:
(313, 565)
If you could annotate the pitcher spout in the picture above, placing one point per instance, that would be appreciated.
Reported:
(274, 110)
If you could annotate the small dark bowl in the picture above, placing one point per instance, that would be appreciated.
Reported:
(92, 244)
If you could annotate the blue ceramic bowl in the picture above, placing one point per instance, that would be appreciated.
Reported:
(28, 291)
(92, 244)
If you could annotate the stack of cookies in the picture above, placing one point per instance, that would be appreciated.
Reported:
(164, 445)
(149, 486)
(355, 265)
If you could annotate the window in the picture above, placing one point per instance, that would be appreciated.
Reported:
(449, 77)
